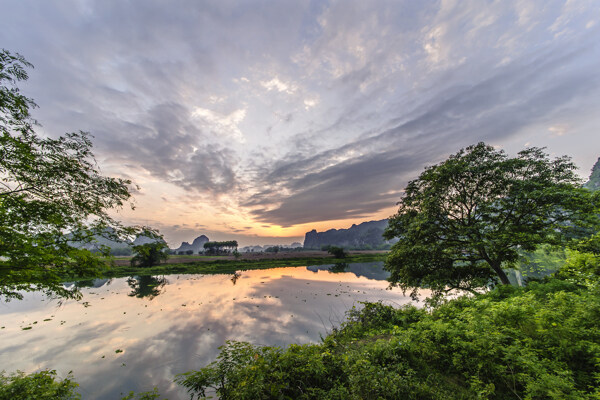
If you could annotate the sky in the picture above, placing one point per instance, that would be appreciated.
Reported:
(262, 120)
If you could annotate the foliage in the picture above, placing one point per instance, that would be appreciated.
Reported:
(542, 262)
(149, 254)
(464, 220)
(52, 195)
(149, 395)
(244, 371)
(37, 386)
(581, 268)
(589, 244)
(272, 249)
(337, 252)
(594, 182)
(532, 343)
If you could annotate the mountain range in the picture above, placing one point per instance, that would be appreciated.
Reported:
(196, 246)
(594, 182)
(367, 235)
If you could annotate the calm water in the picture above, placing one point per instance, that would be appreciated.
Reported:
(133, 334)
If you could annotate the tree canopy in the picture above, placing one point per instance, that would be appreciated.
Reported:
(465, 220)
(52, 195)
(149, 254)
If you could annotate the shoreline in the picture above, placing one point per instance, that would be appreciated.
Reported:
(228, 264)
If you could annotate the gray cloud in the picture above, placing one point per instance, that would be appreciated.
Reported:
(492, 110)
(348, 190)
(173, 149)
(306, 111)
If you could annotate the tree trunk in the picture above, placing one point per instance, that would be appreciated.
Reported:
(497, 267)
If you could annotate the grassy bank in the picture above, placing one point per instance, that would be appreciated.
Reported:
(228, 266)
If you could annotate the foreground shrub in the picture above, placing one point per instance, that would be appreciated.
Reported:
(37, 386)
(536, 343)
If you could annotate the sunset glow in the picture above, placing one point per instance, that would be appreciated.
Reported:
(259, 121)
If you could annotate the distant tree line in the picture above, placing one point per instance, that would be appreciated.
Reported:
(220, 247)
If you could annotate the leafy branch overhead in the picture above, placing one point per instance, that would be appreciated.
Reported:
(52, 195)
(463, 221)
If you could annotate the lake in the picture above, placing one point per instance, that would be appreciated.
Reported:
(133, 334)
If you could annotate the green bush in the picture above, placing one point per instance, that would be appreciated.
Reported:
(149, 254)
(149, 395)
(37, 386)
(337, 252)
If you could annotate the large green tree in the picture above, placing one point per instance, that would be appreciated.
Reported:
(149, 254)
(465, 220)
(52, 195)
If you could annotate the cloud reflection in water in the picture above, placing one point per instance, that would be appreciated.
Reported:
(179, 325)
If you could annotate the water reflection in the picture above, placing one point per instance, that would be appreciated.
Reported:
(181, 328)
(89, 283)
(146, 286)
(235, 277)
(371, 270)
(337, 268)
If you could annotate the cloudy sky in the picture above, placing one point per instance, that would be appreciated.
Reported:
(261, 120)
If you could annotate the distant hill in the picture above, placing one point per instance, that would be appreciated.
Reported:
(196, 246)
(117, 248)
(100, 241)
(367, 235)
(143, 239)
(594, 182)
(252, 249)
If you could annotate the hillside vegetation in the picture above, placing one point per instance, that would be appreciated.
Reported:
(594, 182)
(367, 235)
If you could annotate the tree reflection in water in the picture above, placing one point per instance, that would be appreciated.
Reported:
(235, 277)
(146, 286)
(339, 267)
